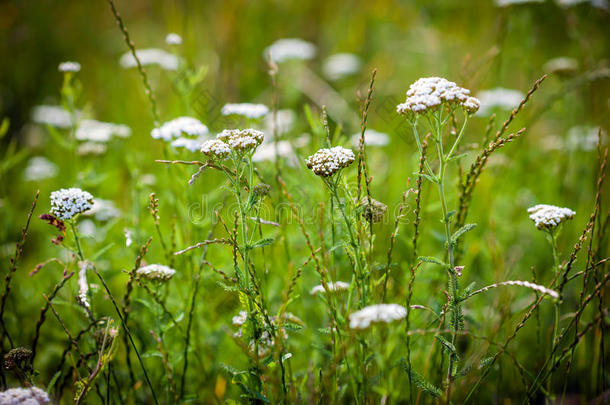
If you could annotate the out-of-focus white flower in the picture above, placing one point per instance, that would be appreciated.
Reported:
(247, 110)
(97, 131)
(498, 98)
(289, 49)
(242, 139)
(173, 39)
(376, 313)
(128, 238)
(371, 138)
(584, 138)
(87, 228)
(332, 287)
(39, 168)
(285, 121)
(340, 65)
(83, 285)
(91, 148)
(178, 127)
(150, 56)
(269, 151)
(192, 145)
(549, 216)
(506, 3)
(103, 210)
(215, 148)
(156, 272)
(52, 115)
(562, 65)
(69, 202)
(148, 179)
(240, 319)
(601, 4)
(326, 162)
(72, 67)
(27, 396)
(428, 93)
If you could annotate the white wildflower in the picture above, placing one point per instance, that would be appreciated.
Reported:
(179, 126)
(72, 67)
(428, 93)
(155, 272)
(128, 237)
(284, 120)
(67, 203)
(91, 148)
(549, 216)
(506, 3)
(290, 48)
(248, 110)
(371, 138)
(39, 168)
(242, 139)
(215, 148)
(52, 115)
(562, 65)
(173, 39)
(376, 313)
(340, 65)
(271, 151)
(150, 56)
(327, 162)
(584, 138)
(192, 145)
(98, 131)
(103, 210)
(601, 4)
(498, 98)
(87, 228)
(240, 319)
(83, 285)
(27, 396)
(332, 287)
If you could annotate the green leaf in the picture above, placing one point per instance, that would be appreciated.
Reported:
(485, 362)
(460, 232)
(4, 127)
(421, 382)
(430, 259)
(261, 243)
(427, 177)
(447, 345)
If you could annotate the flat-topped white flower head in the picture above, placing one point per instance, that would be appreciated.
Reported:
(498, 98)
(428, 93)
(173, 39)
(215, 148)
(98, 131)
(290, 49)
(66, 203)
(332, 287)
(28, 396)
(341, 65)
(376, 313)
(192, 145)
(72, 67)
(151, 56)
(240, 319)
(155, 272)
(328, 161)
(40, 168)
(549, 216)
(52, 115)
(371, 138)
(248, 110)
(178, 127)
(242, 140)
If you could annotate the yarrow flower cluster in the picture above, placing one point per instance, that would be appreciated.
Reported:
(28, 396)
(215, 148)
(98, 131)
(181, 125)
(340, 65)
(173, 39)
(327, 162)
(428, 93)
(265, 340)
(66, 203)
(152, 56)
(40, 168)
(247, 110)
(376, 313)
(66, 67)
(241, 139)
(156, 272)
(53, 115)
(549, 216)
(498, 98)
(332, 287)
(290, 48)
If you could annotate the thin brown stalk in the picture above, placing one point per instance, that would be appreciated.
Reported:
(222, 241)
(168, 368)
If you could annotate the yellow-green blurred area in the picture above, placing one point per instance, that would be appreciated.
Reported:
(480, 45)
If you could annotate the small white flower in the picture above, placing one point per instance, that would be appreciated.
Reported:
(150, 56)
(243, 140)
(290, 49)
(27, 396)
(52, 115)
(215, 148)
(98, 131)
(72, 67)
(173, 39)
(371, 138)
(192, 145)
(87, 228)
(285, 121)
(428, 93)
(561, 65)
(498, 98)
(506, 3)
(376, 313)
(39, 168)
(91, 148)
(584, 138)
(67, 203)
(326, 162)
(179, 126)
(340, 65)
(549, 216)
(156, 272)
(271, 151)
(332, 287)
(248, 110)
(83, 285)
(128, 237)
(240, 319)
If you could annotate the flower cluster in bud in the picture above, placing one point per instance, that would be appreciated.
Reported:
(429, 93)
(549, 216)
(66, 203)
(327, 162)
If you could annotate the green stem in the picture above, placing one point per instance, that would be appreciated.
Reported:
(77, 241)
